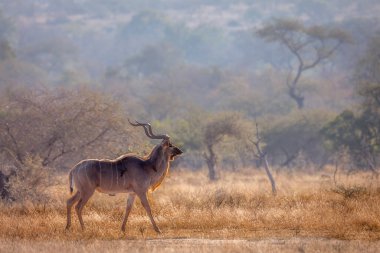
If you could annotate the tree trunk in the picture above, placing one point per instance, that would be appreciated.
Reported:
(289, 159)
(269, 174)
(211, 163)
(4, 191)
(298, 98)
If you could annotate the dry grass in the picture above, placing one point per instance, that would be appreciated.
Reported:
(239, 206)
(192, 245)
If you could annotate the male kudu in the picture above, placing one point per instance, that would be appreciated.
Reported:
(127, 174)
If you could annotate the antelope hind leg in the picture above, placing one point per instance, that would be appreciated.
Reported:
(79, 207)
(70, 202)
(130, 201)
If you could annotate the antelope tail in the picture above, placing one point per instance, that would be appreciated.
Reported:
(71, 181)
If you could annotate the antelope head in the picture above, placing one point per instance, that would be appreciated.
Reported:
(168, 148)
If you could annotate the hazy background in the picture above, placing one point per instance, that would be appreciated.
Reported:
(72, 71)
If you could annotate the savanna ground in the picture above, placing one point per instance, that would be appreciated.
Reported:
(235, 213)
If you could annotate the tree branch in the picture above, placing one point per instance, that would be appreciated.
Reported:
(14, 141)
(64, 152)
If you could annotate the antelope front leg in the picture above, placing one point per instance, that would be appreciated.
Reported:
(145, 203)
(130, 201)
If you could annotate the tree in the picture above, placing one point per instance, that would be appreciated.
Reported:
(220, 126)
(310, 46)
(61, 125)
(354, 133)
(359, 131)
(6, 31)
(296, 134)
(367, 77)
(153, 60)
(6, 51)
(262, 156)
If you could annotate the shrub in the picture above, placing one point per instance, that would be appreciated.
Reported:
(29, 182)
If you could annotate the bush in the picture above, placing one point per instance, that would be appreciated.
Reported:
(31, 180)
(28, 182)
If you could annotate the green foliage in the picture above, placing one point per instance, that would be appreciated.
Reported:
(6, 26)
(6, 51)
(6, 31)
(295, 34)
(298, 133)
(189, 131)
(367, 76)
(219, 126)
(355, 134)
(152, 60)
(224, 124)
(186, 132)
(343, 131)
(198, 130)
(360, 132)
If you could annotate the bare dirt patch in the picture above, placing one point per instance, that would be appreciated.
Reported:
(192, 245)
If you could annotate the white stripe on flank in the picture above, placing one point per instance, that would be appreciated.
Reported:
(78, 173)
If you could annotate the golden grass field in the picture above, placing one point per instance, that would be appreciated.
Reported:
(236, 213)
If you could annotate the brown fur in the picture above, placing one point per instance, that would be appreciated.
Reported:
(129, 173)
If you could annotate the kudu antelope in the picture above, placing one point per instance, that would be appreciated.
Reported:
(127, 174)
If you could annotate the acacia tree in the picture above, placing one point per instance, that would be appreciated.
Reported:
(219, 127)
(310, 46)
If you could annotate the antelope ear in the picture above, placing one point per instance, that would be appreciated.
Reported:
(165, 143)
